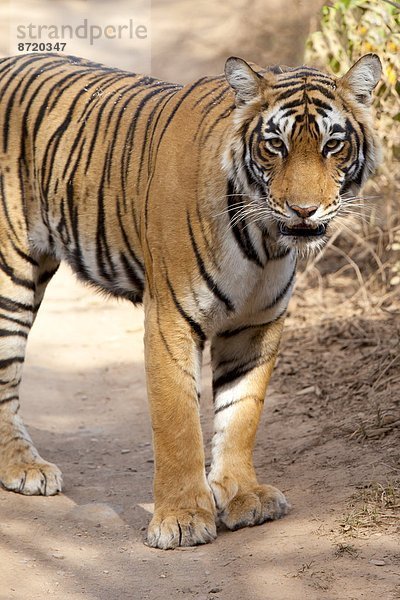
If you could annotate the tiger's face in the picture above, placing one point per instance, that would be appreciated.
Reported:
(302, 146)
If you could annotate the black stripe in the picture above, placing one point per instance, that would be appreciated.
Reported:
(146, 138)
(320, 88)
(122, 93)
(169, 351)
(131, 274)
(215, 123)
(7, 333)
(7, 362)
(239, 229)
(365, 147)
(42, 109)
(13, 306)
(8, 66)
(210, 250)
(127, 241)
(320, 103)
(292, 81)
(24, 256)
(5, 207)
(213, 103)
(130, 135)
(294, 104)
(99, 115)
(209, 92)
(232, 332)
(188, 91)
(14, 72)
(239, 371)
(11, 100)
(283, 292)
(153, 137)
(192, 323)
(10, 383)
(14, 320)
(224, 406)
(9, 271)
(76, 76)
(4, 400)
(34, 79)
(55, 139)
(321, 112)
(76, 255)
(46, 276)
(212, 286)
(301, 72)
(290, 93)
(103, 251)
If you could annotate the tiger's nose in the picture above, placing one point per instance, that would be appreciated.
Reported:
(303, 211)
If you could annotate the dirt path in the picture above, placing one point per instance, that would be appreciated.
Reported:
(84, 400)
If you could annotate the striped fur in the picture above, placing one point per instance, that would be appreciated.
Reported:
(195, 200)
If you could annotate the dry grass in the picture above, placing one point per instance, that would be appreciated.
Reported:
(364, 254)
(375, 507)
(346, 550)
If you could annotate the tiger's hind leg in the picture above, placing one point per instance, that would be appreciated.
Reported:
(22, 285)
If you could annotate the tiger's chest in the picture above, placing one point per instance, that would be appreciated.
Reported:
(251, 294)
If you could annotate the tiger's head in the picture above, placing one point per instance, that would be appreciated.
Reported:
(301, 147)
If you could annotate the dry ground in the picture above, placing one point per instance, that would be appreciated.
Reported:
(329, 439)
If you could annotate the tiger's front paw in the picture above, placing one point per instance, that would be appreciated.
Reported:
(252, 505)
(32, 478)
(170, 528)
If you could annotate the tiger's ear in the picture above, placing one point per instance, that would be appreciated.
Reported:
(246, 83)
(362, 77)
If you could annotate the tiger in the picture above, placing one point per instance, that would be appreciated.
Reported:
(195, 200)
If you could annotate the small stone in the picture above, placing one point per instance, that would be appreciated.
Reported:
(58, 555)
(125, 451)
(106, 572)
(378, 562)
(215, 590)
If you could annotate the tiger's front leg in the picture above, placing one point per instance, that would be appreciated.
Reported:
(184, 512)
(242, 366)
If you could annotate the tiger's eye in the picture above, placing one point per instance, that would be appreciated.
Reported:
(333, 144)
(276, 143)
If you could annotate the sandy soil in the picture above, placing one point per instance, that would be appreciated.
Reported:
(84, 400)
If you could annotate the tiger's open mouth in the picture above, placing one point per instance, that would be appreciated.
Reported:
(303, 230)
